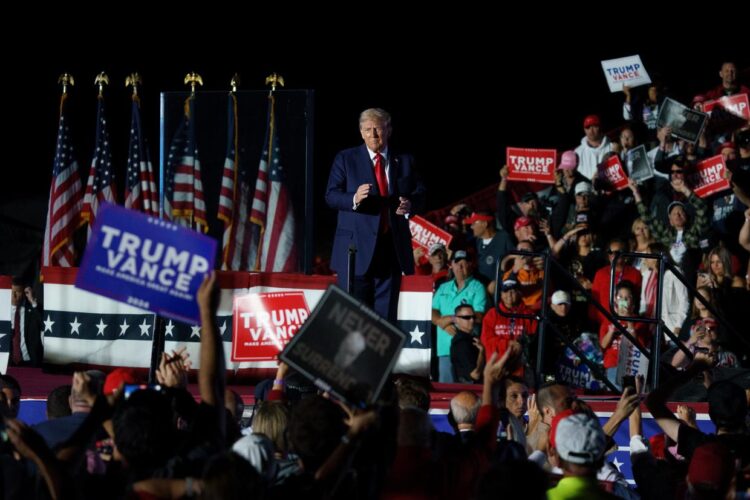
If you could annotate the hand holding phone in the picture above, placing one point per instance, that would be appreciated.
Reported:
(129, 389)
(628, 381)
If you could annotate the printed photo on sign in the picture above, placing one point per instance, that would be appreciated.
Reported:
(345, 348)
(686, 123)
(638, 166)
(146, 262)
(531, 165)
(424, 235)
(264, 323)
(625, 71)
(709, 177)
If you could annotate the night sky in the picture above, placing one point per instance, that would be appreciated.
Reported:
(457, 99)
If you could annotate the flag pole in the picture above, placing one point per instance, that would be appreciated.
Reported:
(192, 79)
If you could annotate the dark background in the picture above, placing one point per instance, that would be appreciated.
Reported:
(460, 90)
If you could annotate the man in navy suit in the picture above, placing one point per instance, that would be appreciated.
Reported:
(374, 191)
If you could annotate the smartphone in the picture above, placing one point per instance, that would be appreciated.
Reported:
(628, 381)
(131, 388)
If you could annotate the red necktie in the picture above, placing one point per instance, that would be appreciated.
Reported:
(16, 356)
(383, 188)
(380, 175)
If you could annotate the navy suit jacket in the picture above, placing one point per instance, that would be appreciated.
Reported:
(352, 168)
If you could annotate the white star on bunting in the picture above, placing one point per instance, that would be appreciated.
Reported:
(48, 324)
(416, 335)
(74, 325)
(124, 327)
(100, 328)
(170, 326)
(144, 328)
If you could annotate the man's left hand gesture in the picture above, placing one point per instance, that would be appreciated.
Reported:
(404, 206)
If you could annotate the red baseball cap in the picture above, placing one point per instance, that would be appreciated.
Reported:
(117, 377)
(726, 145)
(475, 217)
(523, 221)
(555, 421)
(590, 121)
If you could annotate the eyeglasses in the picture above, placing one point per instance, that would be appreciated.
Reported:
(469, 316)
(612, 252)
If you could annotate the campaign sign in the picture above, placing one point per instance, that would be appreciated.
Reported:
(264, 323)
(345, 348)
(614, 173)
(577, 375)
(736, 104)
(709, 177)
(531, 165)
(631, 361)
(146, 262)
(686, 123)
(625, 71)
(638, 164)
(424, 234)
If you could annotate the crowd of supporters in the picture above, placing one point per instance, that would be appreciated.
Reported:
(108, 436)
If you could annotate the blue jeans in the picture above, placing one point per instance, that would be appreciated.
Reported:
(445, 369)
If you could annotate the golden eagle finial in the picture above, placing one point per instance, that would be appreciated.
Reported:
(273, 80)
(66, 79)
(193, 79)
(235, 82)
(101, 80)
(133, 80)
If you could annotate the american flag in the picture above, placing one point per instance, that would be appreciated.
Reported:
(65, 196)
(101, 184)
(183, 199)
(140, 189)
(272, 208)
(240, 245)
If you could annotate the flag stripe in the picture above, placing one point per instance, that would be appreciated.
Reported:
(140, 187)
(183, 200)
(65, 200)
(272, 208)
(99, 186)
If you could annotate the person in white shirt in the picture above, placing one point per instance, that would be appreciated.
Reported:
(594, 147)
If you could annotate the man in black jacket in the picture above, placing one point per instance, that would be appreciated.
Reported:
(467, 352)
(26, 340)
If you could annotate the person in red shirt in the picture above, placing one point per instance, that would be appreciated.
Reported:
(729, 84)
(499, 331)
(610, 337)
(601, 283)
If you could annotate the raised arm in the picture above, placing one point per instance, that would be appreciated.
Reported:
(656, 402)
(211, 373)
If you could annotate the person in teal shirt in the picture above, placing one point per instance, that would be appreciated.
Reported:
(462, 289)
